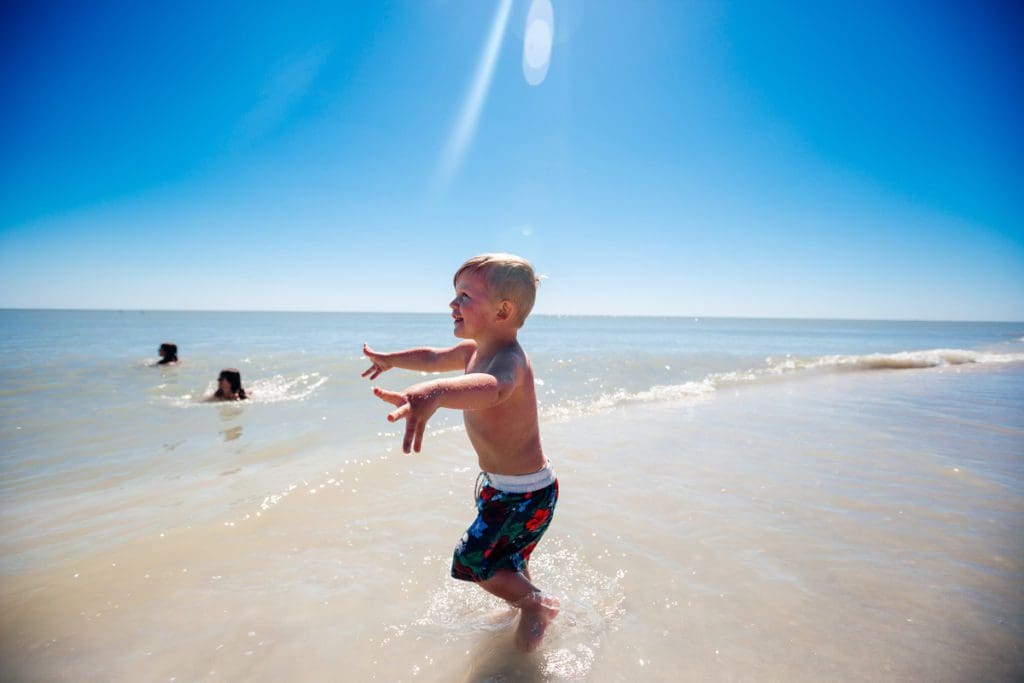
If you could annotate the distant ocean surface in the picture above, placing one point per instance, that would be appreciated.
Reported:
(125, 499)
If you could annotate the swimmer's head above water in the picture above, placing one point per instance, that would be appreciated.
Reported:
(168, 353)
(229, 385)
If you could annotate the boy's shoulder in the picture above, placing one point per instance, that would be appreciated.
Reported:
(508, 356)
(513, 356)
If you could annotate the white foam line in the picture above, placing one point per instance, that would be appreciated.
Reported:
(701, 390)
(274, 389)
(896, 361)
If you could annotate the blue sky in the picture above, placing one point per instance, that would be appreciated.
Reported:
(819, 159)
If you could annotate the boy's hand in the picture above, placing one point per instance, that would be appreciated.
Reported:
(416, 405)
(380, 364)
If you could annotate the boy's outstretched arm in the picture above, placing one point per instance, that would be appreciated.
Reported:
(422, 359)
(475, 391)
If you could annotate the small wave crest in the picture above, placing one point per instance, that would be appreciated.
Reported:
(279, 388)
(690, 391)
(266, 390)
(697, 391)
(904, 360)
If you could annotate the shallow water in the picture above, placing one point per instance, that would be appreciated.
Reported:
(827, 520)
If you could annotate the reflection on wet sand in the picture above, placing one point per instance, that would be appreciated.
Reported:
(232, 433)
(495, 658)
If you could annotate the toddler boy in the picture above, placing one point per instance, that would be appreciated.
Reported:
(517, 489)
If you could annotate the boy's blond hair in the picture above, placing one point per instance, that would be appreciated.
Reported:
(508, 277)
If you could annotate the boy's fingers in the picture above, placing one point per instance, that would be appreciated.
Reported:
(368, 371)
(418, 443)
(397, 415)
(369, 353)
(392, 397)
(411, 427)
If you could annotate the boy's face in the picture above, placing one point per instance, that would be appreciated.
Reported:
(473, 308)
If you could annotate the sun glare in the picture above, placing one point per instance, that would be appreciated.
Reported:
(465, 127)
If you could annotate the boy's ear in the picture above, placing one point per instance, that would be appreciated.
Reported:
(506, 309)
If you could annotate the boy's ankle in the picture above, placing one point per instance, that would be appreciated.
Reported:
(531, 598)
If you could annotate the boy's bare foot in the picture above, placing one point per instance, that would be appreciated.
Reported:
(537, 612)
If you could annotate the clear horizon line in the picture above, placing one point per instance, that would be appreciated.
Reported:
(542, 315)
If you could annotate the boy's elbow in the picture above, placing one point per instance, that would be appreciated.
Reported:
(503, 390)
(490, 392)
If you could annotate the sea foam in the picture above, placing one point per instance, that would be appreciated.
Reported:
(895, 361)
(789, 368)
(275, 389)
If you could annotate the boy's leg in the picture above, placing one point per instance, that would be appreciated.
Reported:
(537, 610)
(509, 585)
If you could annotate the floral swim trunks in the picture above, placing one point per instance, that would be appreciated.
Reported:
(507, 528)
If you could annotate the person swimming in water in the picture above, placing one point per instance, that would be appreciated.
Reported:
(168, 354)
(229, 386)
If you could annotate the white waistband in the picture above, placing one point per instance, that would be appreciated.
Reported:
(522, 483)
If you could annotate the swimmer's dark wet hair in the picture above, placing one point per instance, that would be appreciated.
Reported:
(234, 377)
(170, 352)
(508, 277)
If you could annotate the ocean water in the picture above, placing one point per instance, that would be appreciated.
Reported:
(741, 500)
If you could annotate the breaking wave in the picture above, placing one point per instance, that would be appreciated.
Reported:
(897, 361)
(775, 368)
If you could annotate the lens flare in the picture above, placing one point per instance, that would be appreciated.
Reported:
(540, 32)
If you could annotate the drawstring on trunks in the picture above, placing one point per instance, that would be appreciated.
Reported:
(515, 483)
(481, 482)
